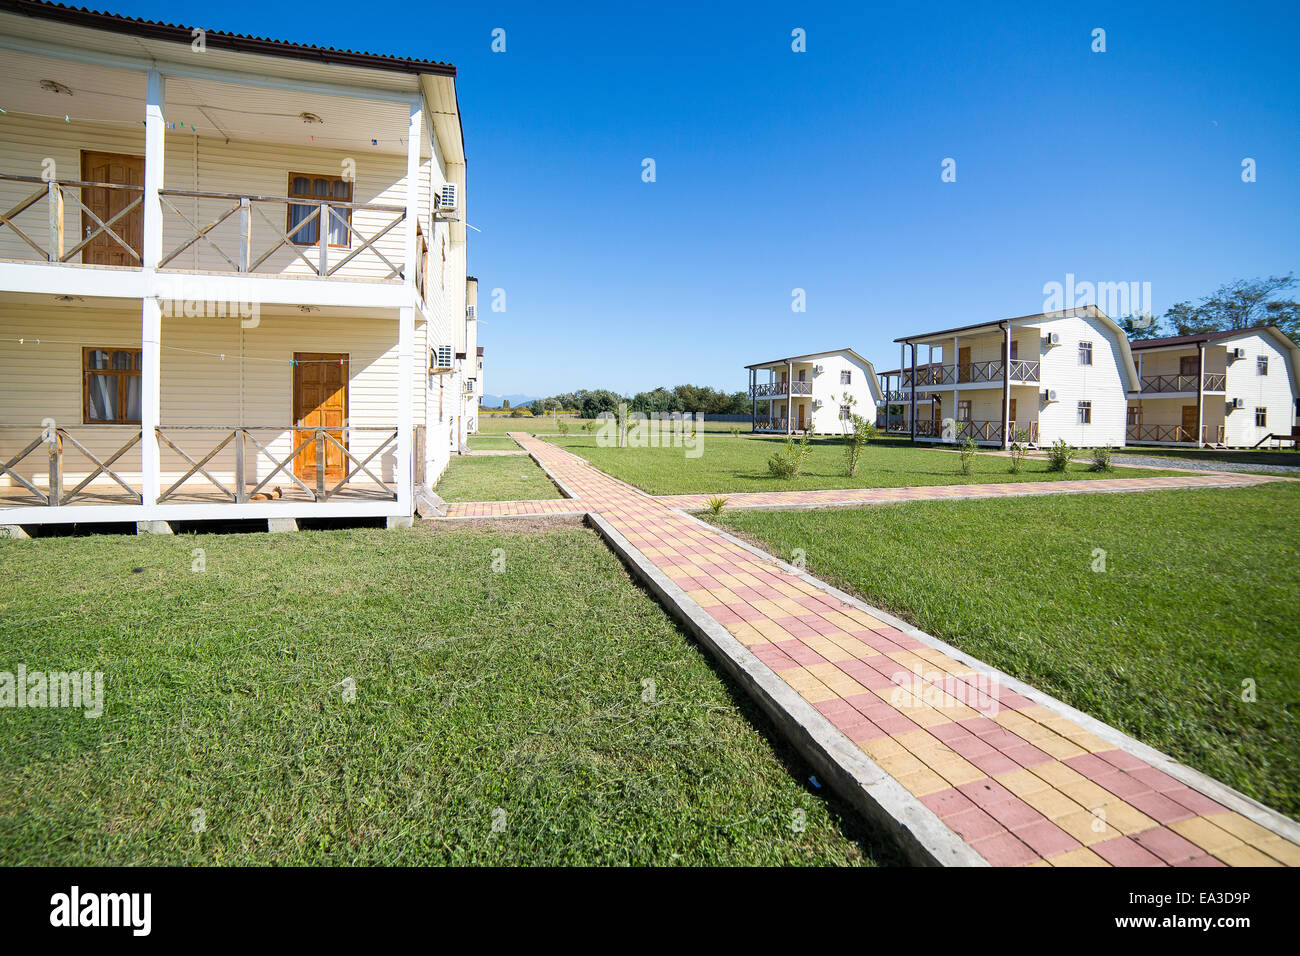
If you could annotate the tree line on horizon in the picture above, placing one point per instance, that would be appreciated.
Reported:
(687, 399)
(1240, 304)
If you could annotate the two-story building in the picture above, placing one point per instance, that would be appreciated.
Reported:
(816, 392)
(1231, 388)
(1038, 378)
(232, 275)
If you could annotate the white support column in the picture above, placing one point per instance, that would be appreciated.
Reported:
(789, 398)
(1006, 387)
(406, 314)
(956, 377)
(1200, 395)
(151, 310)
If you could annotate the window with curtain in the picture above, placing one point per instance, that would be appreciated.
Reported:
(319, 189)
(111, 386)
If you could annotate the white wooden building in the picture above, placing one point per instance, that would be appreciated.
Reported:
(1056, 375)
(1229, 388)
(808, 392)
(227, 265)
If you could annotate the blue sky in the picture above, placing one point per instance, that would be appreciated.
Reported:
(821, 170)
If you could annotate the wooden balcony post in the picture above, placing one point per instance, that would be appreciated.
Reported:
(56, 222)
(241, 488)
(56, 467)
(320, 464)
(245, 233)
(1006, 385)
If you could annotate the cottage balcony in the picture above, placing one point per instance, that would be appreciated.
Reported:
(1182, 384)
(981, 431)
(1154, 433)
(977, 374)
(779, 389)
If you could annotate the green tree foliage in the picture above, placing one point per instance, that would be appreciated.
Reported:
(1240, 304)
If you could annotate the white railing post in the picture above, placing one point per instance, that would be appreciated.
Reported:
(245, 233)
(406, 314)
(151, 312)
(322, 226)
(56, 222)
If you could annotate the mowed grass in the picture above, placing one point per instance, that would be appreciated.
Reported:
(501, 424)
(495, 478)
(726, 464)
(514, 698)
(1199, 595)
(494, 442)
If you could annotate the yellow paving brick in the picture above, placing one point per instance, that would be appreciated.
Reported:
(899, 765)
(882, 747)
(954, 768)
(921, 743)
(1037, 863)
(1080, 857)
(864, 619)
(1242, 855)
(1089, 741)
(1206, 835)
(1084, 827)
(1058, 774)
(1243, 828)
(808, 686)
(790, 591)
(907, 661)
(791, 607)
(827, 648)
(771, 630)
(1057, 746)
(1050, 803)
(852, 645)
(842, 621)
(1022, 782)
(836, 679)
(1125, 818)
(1087, 794)
(768, 608)
(704, 598)
(1284, 851)
(747, 634)
(923, 782)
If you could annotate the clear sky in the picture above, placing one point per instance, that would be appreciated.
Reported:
(821, 170)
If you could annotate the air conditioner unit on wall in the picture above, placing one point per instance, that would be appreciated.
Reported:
(1052, 338)
(447, 198)
(817, 369)
(1237, 403)
(1236, 353)
(1049, 394)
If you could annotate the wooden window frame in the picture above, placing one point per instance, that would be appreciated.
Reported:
(965, 407)
(1261, 417)
(1085, 412)
(846, 376)
(1261, 364)
(121, 374)
(1085, 350)
(316, 201)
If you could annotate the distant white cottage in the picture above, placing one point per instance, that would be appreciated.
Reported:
(1234, 388)
(807, 392)
(1054, 375)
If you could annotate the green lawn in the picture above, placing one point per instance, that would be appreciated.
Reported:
(495, 478)
(500, 424)
(493, 442)
(1199, 594)
(514, 698)
(728, 464)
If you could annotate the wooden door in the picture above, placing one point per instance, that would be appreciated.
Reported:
(320, 400)
(1189, 423)
(1189, 365)
(1011, 415)
(801, 418)
(963, 364)
(123, 170)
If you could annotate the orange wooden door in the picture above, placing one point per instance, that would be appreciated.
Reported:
(123, 170)
(1012, 416)
(1189, 423)
(320, 400)
(963, 363)
(802, 426)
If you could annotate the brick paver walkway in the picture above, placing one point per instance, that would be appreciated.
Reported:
(1016, 779)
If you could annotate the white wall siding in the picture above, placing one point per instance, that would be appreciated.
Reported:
(1102, 383)
(1274, 391)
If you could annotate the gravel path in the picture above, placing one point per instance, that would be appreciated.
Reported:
(1205, 465)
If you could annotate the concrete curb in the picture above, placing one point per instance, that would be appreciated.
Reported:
(923, 838)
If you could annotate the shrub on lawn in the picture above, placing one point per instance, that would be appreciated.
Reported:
(1019, 450)
(857, 432)
(562, 426)
(588, 425)
(1101, 458)
(789, 461)
(968, 451)
(716, 504)
(1060, 455)
(735, 431)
